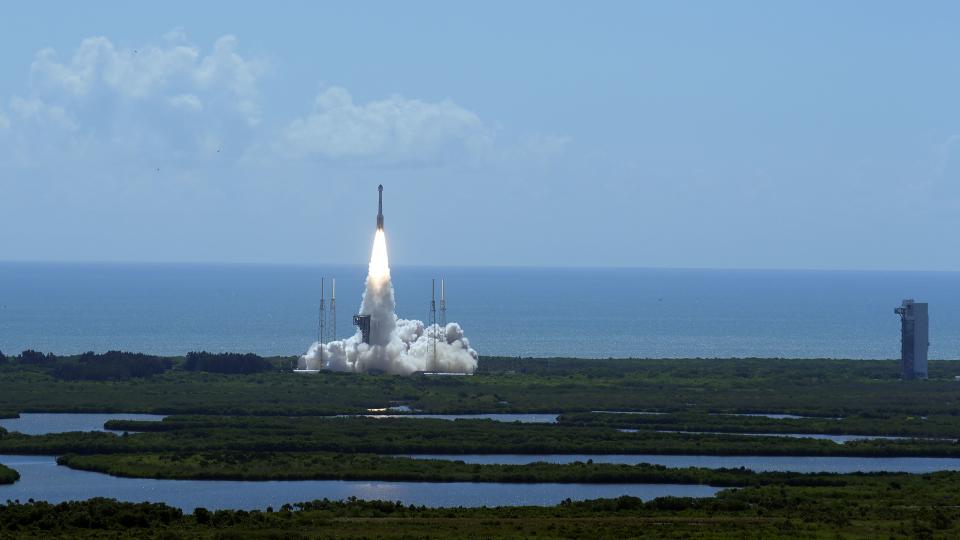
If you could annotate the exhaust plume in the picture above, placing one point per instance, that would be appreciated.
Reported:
(397, 346)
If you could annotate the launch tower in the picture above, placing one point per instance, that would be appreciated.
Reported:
(914, 339)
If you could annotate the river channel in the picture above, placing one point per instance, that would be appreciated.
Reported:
(42, 479)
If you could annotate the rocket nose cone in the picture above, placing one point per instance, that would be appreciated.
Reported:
(380, 187)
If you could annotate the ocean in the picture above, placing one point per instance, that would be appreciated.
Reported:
(171, 309)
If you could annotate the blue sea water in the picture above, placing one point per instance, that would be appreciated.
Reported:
(653, 313)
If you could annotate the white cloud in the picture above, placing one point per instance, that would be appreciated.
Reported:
(393, 130)
(186, 102)
(113, 104)
(180, 105)
(153, 72)
(225, 67)
(131, 73)
(42, 114)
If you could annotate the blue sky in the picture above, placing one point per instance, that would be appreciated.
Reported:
(668, 134)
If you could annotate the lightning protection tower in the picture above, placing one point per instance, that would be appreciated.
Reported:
(914, 339)
(443, 303)
(434, 330)
(322, 324)
(363, 323)
(333, 308)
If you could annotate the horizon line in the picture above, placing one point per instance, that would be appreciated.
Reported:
(476, 266)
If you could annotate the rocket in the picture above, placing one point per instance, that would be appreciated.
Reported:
(380, 209)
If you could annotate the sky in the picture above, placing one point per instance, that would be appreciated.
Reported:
(821, 135)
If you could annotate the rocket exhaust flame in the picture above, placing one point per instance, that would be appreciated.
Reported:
(397, 346)
(379, 270)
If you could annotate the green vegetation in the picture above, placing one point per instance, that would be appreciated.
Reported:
(862, 506)
(824, 388)
(319, 466)
(122, 366)
(8, 475)
(112, 365)
(259, 421)
(427, 436)
(226, 363)
(935, 426)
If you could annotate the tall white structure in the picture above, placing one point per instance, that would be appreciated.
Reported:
(914, 339)
(443, 304)
(435, 330)
(333, 307)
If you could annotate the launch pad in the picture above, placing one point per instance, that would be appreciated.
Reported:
(362, 322)
(384, 342)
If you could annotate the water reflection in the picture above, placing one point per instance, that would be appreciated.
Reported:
(42, 479)
(44, 423)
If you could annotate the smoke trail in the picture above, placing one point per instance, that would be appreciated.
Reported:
(397, 346)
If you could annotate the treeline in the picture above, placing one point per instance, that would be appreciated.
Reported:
(111, 365)
(696, 368)
(429, 436)
(8, 475)
(91, 515)
(325, 466)
(226, 362)
(120, 365)
(900, 425)
(91, 366)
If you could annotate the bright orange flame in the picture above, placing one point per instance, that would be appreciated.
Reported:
(379, 264)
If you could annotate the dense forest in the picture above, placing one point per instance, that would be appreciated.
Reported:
(112, 365)
(226, 363)
(820, 388)
(121, 366)
(326, 466)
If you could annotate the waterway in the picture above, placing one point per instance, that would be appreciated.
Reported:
(42, 479)
(525, 418)
(776, 416)
(839, 439)
(44, 423)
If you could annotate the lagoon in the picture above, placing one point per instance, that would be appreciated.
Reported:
(44, 423)
(42, 479)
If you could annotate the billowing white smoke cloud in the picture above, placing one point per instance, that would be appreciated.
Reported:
(397, 346)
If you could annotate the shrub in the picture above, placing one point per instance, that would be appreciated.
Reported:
(226, 362)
